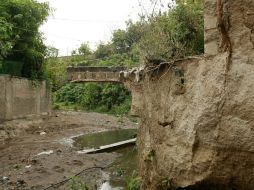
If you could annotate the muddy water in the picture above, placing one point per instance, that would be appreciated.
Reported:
(124, 166)
(95, 140)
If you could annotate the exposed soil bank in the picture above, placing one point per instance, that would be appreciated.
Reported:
(197, 126)
(19, 159)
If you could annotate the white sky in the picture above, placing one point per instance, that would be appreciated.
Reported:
(92, 21)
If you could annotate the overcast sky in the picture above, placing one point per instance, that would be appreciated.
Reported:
(75, 21)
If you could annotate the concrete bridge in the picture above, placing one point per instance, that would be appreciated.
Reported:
(130, 79)
(81, 74)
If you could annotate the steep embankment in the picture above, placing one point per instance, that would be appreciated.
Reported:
(198, 115)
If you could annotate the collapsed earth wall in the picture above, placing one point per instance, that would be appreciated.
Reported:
(197, 114)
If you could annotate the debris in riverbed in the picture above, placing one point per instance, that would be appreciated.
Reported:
(20, 182)
(29, 166)
(45, 153)
(4, 179)
(106, 186)
(43, 133)
(108, 147)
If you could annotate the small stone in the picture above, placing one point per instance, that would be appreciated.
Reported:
(9, 183)
(34, 161)
(20, 182)
(45, 153)
(17, 167)
(59, 151)
(43, 133)
(29, 166)
(4, 179)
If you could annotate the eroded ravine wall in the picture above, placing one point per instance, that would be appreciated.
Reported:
(198, 128)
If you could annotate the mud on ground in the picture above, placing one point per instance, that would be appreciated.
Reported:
(22, 140)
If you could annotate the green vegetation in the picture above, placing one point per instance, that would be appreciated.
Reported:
(176, 33)
(109, 98)
(22, 50)
(159, 37)
(77, 184)
(134, 182)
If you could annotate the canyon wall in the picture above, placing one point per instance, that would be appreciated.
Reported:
(197, 114)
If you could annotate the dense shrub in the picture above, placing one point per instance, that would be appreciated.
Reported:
(96, 97)
(21, 44)
(179, 32)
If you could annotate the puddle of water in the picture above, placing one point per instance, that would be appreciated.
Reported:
(123, 167)
(107, 186)
(96, 140)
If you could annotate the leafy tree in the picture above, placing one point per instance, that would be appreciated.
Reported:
(124, 40)
(5, 37)
(175, 33)
(120, 42)
(135, 31)
(84, 49)
(55, 70)
(103, 51)
(74, 52)
(22, 42)
(52, 52)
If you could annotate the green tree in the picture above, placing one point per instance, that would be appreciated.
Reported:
(22, 45)
(120, 42)
(84, 49)
(175, 33)
(5, 37)
(52, 52)
(103, 51)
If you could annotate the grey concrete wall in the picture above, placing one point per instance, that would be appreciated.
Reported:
(2, 98)
(20, 97)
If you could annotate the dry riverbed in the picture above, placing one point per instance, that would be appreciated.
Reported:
(36, 152)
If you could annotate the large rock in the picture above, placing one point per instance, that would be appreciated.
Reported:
(197, 126)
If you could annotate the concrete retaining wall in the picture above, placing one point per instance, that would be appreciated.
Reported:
(20, 97)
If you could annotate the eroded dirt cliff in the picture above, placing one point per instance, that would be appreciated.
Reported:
(197, 114)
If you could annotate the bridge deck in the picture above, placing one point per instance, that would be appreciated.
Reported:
(80, 74)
